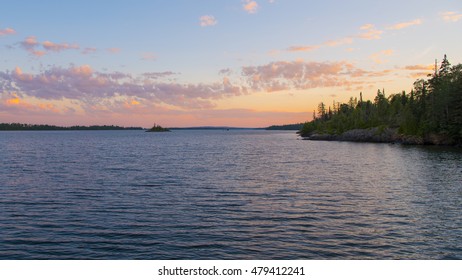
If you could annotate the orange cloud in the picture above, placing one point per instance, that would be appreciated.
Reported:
(303, 48)
(419, 67)
(13, 101)
(370, 32)
(378, 57)
(405, 24)
(250, 6)
(17, 104)
(21, 76)
(451, 16)
(343, 41)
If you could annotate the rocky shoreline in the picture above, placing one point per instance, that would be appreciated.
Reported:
(384, 135)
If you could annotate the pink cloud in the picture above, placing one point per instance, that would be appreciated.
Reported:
(114, 50)
(86, 86)
(30, 43)
(7, 31)
(38, 49)
(207, 21)
(284, 75)
(148, 56)
(55, 47)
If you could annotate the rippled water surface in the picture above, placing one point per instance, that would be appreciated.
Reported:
(237, 194)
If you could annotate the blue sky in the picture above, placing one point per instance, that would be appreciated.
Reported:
(234, 62)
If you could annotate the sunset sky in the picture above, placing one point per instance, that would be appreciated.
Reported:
(208, 62)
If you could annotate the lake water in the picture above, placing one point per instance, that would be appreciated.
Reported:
(238, 194)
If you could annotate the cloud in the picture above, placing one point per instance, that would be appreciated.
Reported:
(307, 48)
(207, 21)
(14, 104)
(114, 50)
(300, 75)
(148, 56)
(339, 42)
(88, 87)
(55, 47)
(250, 6)
(7, 31)
(89, 50)
(38, 49)
(378, 57)
(405, 24)
(419, 67)
(451, 16)
(369, 32)
(30, 43)
(419, 70)
(329, 43)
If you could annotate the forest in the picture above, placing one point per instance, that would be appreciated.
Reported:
(432, 108)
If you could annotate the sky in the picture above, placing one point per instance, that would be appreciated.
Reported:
(182, 63)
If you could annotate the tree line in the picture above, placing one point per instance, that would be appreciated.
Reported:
(23, 126)
(434, 106)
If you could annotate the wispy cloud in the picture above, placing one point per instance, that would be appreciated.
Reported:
(89, 50)
(114, 50)
(369, 32)
(402, 25)
(451, 16)
(379, 56)
(57, 47)
(307, 48)
(250, 6)
(339, 42)
(207, 20)
(148, 56)
(7, 31)
(329, 43)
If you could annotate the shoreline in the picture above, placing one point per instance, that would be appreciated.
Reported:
(386, 135)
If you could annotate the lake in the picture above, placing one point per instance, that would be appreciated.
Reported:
(217, 194)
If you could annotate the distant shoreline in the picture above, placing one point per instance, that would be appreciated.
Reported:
(45, 127)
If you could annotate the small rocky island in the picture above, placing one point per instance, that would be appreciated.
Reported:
(158, 128)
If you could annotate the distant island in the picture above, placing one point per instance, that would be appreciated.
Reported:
(21, 126)
(430, 114)
(157, 128)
